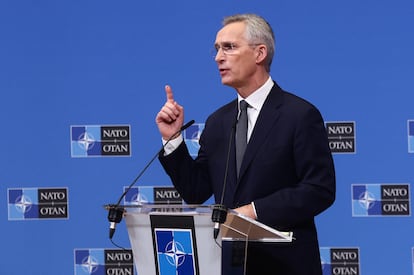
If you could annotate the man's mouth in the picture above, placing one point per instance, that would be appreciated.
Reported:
(223, 71)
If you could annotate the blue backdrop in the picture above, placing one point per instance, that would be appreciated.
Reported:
(103, 64)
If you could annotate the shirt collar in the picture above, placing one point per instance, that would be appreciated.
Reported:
(258, 97)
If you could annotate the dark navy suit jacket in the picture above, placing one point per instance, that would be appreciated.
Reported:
(287, 171)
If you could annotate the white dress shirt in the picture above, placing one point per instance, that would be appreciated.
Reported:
(256, 101)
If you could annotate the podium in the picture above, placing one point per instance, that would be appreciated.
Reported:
(178, 239)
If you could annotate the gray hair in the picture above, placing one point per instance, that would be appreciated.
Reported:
(258, 30)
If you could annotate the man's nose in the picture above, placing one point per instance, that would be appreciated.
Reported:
(219, 55)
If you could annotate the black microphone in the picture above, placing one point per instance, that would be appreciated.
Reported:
(116, 211)
(219, 214)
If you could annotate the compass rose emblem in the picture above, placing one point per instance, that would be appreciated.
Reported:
(367, 200)
(174, 253)
(23, 203)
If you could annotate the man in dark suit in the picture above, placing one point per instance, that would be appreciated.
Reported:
(286, 176)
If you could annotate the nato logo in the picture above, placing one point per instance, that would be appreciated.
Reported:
(138, 195)
(100, 141)
(37, 203)
(340, 261)
(103, 261)
(192, 136)
(152, 194)
(341, 137)
(410, 125)
(174, 251)
(370, 200)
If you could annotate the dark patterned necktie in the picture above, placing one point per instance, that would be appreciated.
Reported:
(241, 134)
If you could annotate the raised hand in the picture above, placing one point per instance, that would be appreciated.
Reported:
(171, 116)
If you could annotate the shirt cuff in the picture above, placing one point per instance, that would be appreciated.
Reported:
(170, 146)
(254, 209)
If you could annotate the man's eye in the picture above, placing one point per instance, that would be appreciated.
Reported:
(228, 46)
(225, 47)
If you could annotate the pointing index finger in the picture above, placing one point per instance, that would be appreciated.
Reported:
(169, 93)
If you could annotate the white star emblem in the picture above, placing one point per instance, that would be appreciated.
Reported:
(90, 264)
(367, 200)
(86, 141)
(23, 203)
(139, 199)
(174, 253)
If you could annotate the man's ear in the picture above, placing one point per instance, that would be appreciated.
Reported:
(261, 53)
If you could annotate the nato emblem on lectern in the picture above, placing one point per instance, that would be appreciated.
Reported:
(341, 136)
(103, 262)
(410, 126)
(37, 203)
(100, 141)
(174, 244)
(192, 136)
(175, 251)
(339, 261)
(370, 200)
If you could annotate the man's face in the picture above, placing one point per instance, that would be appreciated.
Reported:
(236, 59)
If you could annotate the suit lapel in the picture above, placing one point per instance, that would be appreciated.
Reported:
(229, 120)
(269, 114)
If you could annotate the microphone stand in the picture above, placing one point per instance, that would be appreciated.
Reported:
(219, 214)
(116, 211)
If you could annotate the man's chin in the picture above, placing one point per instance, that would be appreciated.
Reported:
(226, 82)
(229, 84)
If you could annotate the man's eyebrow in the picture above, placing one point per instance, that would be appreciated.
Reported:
(223, 43)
